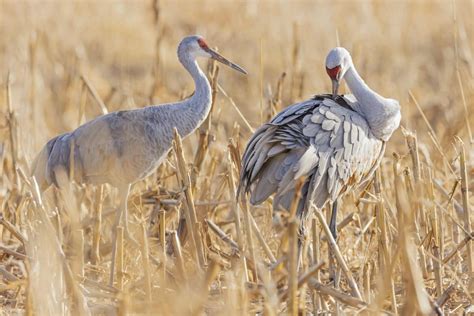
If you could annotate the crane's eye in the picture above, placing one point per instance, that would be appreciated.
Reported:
(202, 43)
(334, 72)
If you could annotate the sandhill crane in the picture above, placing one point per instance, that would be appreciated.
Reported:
(123, 147)
(336, 141)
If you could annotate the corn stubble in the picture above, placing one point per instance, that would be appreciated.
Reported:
(404, 244)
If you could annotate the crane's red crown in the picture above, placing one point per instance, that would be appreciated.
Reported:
(202, 43)
(333, 72)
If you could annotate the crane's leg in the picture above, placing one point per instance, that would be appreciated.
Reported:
(333, 222)
(125, 218)
(302, 236)
(123, 194)
(302, 213)
(122, 210)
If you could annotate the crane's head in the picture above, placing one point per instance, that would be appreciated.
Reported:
(195, 46)
(337, 63)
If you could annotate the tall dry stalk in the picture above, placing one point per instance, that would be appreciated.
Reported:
(190, 211)
(415, 298)
(467, 215)
(12, 128)
(293, 268)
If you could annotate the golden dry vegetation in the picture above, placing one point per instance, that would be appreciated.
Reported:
(405, 242)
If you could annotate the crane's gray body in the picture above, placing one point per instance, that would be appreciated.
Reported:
(322, 139)
(123, 147)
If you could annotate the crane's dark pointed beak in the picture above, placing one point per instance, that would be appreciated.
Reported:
(225, 61)
(335, 87)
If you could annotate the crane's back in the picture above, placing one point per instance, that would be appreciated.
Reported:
(322, 139)
(118, 148)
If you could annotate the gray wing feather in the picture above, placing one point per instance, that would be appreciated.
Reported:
(39, 168)
(283, 201)
(320, 193)
(277, 149)
(267, 182)
(59, 157)
(290, 166)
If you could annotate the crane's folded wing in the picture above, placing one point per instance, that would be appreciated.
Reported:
(329, 144)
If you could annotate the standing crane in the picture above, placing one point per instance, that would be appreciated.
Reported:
(335, 141)
(123, 147)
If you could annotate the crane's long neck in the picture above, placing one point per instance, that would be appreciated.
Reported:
(190, 113)
(383, 115)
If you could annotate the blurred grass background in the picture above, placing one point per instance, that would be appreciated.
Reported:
(396, 45)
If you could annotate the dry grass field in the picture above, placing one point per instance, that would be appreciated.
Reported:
(405, 242)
